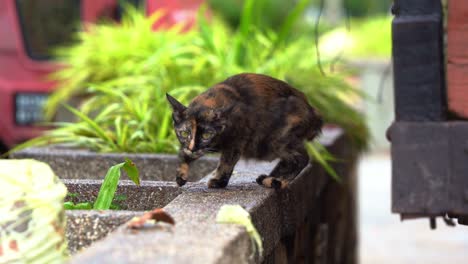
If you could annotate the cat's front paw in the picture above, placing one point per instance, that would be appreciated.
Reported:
(182, 174)
(217, 183)
(180, 181)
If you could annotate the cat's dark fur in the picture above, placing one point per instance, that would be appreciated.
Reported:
(251, 116)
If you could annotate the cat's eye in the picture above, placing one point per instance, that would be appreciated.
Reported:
(184, 134)
(206, 135)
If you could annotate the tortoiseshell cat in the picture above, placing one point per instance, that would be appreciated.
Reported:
(251, 116)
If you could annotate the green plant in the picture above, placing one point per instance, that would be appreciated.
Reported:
(367, 38)
(272, 13)
(127, 69)
(105, 198)
(362, 8)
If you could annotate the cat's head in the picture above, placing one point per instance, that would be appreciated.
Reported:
(198, 132)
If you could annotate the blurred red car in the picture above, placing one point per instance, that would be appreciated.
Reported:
(28, 31)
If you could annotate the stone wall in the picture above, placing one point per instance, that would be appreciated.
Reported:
(311, 221)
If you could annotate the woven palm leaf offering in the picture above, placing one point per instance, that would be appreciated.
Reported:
(32, 219)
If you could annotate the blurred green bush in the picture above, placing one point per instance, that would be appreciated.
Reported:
(126, 70)
(273, 12)
(363, 8)
(369, 38)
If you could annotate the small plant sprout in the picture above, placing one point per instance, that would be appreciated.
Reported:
(106, 195)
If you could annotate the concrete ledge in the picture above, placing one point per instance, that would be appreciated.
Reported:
(312, 220)
(147, 196)
(84, 227)
(195, 238)
(85, 164)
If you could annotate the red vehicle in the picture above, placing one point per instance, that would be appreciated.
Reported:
(28, 31)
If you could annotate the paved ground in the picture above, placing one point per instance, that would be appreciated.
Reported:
(386, 240)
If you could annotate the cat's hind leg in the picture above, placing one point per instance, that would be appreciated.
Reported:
(287, 168)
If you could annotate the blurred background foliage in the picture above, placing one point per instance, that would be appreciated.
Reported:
(348, 38)
(124, 70)
(365, 8)
(273, 12)
(356, 43)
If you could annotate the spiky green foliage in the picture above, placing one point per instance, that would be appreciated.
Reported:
(128, 68)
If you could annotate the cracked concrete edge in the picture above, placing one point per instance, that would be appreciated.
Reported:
(197, 238)
(301, 192)
(85, 164)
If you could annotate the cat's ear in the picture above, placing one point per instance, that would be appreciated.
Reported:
(177, 107)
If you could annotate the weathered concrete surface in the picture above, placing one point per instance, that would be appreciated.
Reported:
(87, 226)
(195, 238)
(275, 213)
(147, 196)
(84, 164)
(84, 227)
(311, 222)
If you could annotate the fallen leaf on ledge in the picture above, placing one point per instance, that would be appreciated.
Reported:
(150, 218)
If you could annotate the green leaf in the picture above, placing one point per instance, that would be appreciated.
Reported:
(78, 206)
(132, 171)
(247, 16)
(115, 206)
(322, 157)
(205, 29)
(111, 181)
(99, 131)
(68, 205)
(235, 214)
(108, 188)
(72, 195)
(84, 206)
(290, 21)
(242, 36)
